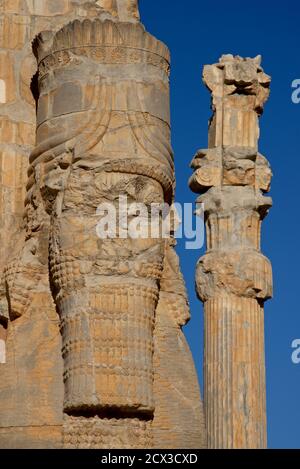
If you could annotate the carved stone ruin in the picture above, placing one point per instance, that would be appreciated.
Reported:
(91, 328)
(233, 278)
(92, 352)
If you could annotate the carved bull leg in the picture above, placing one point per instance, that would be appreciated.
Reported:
(179, 418)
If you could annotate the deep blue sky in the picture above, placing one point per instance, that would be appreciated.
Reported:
(198, 33)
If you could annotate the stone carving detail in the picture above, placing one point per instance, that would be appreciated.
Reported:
(103, 43)
(234, 279)
(103, 131)
(104, 433)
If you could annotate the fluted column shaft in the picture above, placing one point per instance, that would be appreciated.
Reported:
(234, 373)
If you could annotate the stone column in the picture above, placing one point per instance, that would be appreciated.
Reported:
(233, 278)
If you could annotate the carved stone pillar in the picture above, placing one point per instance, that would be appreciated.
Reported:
(233, 278)
(103, 132)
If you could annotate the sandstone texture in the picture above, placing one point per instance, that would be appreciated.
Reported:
(92, 353)
(234, 279)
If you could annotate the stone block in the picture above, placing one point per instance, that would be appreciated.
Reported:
(18, 7)
(19, 133)
(48, 8)
(14, 31)
(7, 78)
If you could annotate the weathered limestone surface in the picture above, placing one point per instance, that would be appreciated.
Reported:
(233, 278)
(95, 354)
(175, 381)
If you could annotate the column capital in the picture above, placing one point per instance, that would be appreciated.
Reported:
(228, 199)
(238, 76)
(241, 273)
